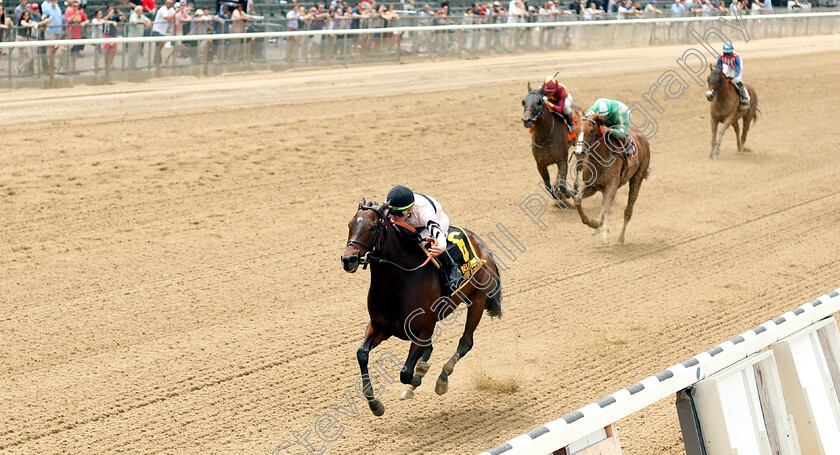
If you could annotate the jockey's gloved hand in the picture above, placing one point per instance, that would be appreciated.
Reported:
(436, 249)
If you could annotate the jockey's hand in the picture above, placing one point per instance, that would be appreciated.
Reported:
(436, 249)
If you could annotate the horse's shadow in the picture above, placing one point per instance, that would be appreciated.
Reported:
(421, 430)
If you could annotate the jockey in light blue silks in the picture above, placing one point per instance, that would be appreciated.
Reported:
(733, 68)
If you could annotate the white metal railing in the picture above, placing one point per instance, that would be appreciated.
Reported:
(593, 417)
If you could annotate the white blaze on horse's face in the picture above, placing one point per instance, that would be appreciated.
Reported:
(360, 220)
(579, 145)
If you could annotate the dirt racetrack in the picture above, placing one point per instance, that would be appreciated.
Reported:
(171, 281)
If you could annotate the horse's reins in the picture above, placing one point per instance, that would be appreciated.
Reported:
(374, 244)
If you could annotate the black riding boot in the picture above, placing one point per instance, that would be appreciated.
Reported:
(569, 122)
(449, 274)
(745, 97)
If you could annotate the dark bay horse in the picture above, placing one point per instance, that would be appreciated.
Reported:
(404, 299)
(726, 109)
(600, 168)
(549, 140)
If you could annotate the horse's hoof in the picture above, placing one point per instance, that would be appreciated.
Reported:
(621, 240)
(407, 395)
(442, 385)
(605, 241)
(377, 408)
(596, 231)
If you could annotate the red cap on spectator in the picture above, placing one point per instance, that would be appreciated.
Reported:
(33, 6)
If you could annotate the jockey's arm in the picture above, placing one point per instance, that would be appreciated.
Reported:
(435, 222)
(737, 67)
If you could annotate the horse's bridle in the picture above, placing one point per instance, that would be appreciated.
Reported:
(717, 87)
(537, 115)
(582, 147)
(374, 244)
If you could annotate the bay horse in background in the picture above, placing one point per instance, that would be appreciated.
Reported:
(549, 140)
(600, 168)
(726, 109)
(404, 299)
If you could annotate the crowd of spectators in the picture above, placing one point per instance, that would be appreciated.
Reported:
(52, 20)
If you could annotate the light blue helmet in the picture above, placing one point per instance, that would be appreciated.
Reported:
(728, 48)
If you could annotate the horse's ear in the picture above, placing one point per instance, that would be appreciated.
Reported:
(529, 86)
(384, 207)
(362, 203)
(711, 67)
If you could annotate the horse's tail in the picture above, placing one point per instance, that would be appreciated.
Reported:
(757, 111)
(493, 305)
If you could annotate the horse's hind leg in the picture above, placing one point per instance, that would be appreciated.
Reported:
(747, 122)
(419, 371)
(635, 185)
(476, 307)
(372, 339)
(737, 127)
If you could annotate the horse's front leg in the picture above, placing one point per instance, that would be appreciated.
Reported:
(419, 371)
(562, 171)
(372, 339)
(726, 124)
(714, 138)
(543, 169)
(609, 196)
(587, 191)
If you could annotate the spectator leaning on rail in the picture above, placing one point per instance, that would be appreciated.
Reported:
(24, 33)
(55, 31)
(38, 34)
(651, 9)
(138, 24)
(112, 17)
(76, 19)
(162, 26)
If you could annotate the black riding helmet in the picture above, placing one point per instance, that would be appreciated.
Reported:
(400, 199)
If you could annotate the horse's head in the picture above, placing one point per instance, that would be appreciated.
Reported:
(366, 230)
(589, 130)
(534, 107)
(715, 81)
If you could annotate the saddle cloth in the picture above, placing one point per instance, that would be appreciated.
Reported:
(461, 250)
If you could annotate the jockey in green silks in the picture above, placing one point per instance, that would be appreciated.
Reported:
(615, 115)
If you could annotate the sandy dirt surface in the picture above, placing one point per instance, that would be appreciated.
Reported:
(171, 281)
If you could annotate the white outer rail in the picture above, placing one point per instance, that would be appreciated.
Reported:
(367, 31)
(588, 419)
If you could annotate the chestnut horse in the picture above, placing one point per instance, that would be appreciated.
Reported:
(726, 109)
(404, 299)
(549, 140)
(600, 168)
